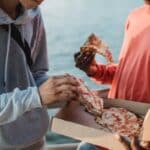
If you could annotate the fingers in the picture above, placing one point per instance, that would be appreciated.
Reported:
(76, 55)
(59, 88)
(124, 142)
(66, 93)
(64, 88)
(66, 96)
(84, 59)
(64, 80)
(89, 58)
(145, 145)
(135, 144)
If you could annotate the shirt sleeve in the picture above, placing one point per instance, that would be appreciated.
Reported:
(17, 102)
(104, 73)
(40, 65)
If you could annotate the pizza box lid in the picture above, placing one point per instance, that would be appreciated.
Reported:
(91, 133)
(146, 127)
(86, 134)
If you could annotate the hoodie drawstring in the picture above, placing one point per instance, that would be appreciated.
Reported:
(7, 55)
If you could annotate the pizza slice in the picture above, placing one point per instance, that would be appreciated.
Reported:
(89, 99)
(95, 44)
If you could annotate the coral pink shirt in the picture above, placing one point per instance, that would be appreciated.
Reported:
(131, 77)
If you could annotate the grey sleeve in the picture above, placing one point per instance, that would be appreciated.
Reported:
(40, 59)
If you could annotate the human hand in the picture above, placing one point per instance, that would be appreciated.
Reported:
(30, 3)
(86, 62)
(135, 144)
(59, 88)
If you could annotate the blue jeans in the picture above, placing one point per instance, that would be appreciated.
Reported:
(86, 146)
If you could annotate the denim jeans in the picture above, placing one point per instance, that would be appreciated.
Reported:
(86, 146)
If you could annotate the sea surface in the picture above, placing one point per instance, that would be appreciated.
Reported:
(69, 22)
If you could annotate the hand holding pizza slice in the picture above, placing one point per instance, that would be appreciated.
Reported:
(85, 58)
(95, 44)
(134, 144)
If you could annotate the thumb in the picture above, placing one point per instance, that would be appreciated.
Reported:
(123, 141)
(135, 144)
(76, 55)
(145, 145)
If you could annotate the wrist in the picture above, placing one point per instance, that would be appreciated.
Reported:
(92, 70)
(41, 98)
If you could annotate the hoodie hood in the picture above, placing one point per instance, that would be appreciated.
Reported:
(26, 16)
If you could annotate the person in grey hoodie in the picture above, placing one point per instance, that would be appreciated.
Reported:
(25, 88)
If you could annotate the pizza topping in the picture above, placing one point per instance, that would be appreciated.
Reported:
(121, 121)
(92, 102)
(95, 44)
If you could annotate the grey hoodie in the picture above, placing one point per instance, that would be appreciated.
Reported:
(23, 121)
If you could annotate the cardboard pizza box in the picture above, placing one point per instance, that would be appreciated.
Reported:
(146, 127)
(83, 127)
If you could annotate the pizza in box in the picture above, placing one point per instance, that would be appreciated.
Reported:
(116, 120)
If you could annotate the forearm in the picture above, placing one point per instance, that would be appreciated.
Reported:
(104, 74)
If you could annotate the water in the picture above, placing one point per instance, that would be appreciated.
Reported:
(69, 22)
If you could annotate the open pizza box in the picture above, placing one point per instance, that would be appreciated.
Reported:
(94, 134)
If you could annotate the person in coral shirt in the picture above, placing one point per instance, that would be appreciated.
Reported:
(130, 78)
